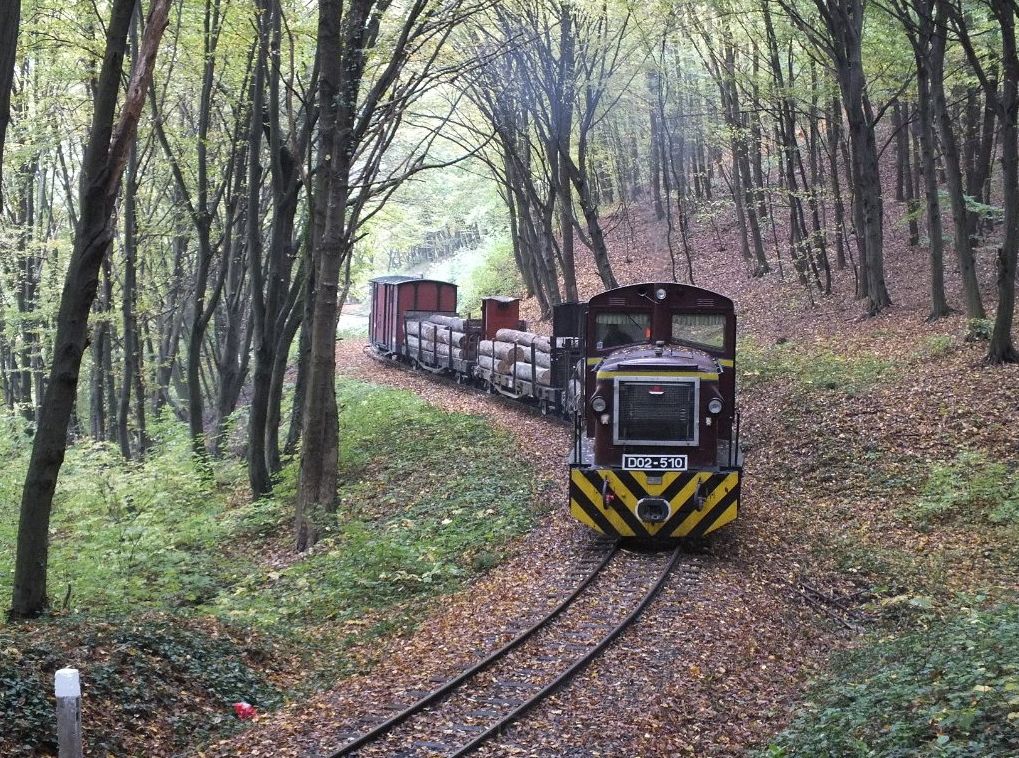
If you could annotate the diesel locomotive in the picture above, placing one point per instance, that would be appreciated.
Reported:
(645, 372)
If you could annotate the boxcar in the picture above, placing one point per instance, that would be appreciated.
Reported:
(392, 297)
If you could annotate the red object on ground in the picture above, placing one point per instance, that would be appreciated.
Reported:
(244, 711)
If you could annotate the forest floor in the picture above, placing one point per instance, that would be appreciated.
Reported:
(880, 474)
(880, 519)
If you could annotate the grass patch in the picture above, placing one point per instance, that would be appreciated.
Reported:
(951, 689)
(812, 369)
(935, 346)
(428, 500)
(971, 488)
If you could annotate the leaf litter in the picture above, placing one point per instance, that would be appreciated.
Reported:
(719, 668)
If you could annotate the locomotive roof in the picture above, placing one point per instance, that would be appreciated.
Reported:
(403, 278)
(690, 290)
(673, 356)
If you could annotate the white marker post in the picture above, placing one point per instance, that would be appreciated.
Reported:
(67, 687)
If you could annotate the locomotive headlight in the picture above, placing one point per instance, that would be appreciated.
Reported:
(660, 293)
(598, 404)
(715, 406)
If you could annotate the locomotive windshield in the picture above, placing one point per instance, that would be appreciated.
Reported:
(614, 329)
(706, 329)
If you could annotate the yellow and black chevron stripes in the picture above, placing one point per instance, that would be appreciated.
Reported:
(717, 493)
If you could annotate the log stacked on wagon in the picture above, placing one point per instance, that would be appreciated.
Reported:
(533, 355)
(442, 342)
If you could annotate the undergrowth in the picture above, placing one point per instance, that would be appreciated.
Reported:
(971, 487)
(950, 689)
(428, 499)
(816, 368)
(131, 672)
(128, 536)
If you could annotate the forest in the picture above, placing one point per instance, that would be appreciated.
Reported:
(193, 191)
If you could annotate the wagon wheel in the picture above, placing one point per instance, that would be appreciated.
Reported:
(543, 407)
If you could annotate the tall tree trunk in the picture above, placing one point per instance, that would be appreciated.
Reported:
(1006, 105)
(1002, 348)
(131, 348)
(303, 356)
(341, 29)
(901, 151)
(563, 126)
(843, 29)
(656, 151)
(10, 17)
(953, 168)
(258, 472)
(102, 168)
(925, 109)
(910, 180)
(834, 134)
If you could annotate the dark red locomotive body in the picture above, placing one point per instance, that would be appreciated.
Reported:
(656, 456)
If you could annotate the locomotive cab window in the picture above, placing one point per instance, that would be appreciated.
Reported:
(706, 329)
(615, 329)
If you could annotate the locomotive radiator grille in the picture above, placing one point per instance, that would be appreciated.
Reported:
(656, 412)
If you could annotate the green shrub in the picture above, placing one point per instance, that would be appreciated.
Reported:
(979, 329)
(950, 690)
(972, 487)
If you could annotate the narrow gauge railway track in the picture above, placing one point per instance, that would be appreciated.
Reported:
(454, 382)
(475, 706)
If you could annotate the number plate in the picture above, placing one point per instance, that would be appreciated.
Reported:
(655, 462)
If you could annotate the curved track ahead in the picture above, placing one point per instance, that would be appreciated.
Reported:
(480, 703)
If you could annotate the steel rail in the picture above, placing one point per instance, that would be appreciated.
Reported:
(436, 695)
(579, 664)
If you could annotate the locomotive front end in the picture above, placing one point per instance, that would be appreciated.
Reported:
(656, 455)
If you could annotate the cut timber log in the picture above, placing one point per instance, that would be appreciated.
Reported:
(504, 351)
(435, 333)
(524, 338)
(494, 364)
(541, 359)
(528, 373)
(458, 324)
(429, 348)
(457, 339)
(422, 329)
